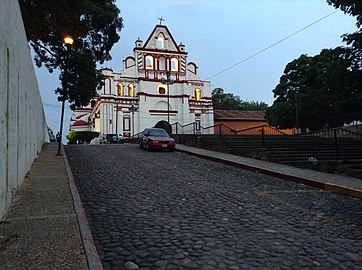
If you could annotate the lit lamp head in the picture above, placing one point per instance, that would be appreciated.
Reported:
(68, 40)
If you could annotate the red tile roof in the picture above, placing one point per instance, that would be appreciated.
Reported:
(80, 123)
(239, 115)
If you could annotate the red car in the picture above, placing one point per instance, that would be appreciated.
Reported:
(156, 138)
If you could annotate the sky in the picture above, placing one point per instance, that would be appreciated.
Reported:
(241, 46)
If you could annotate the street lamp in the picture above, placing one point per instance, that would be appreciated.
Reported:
(68, 41)
(132, 109)
(168, 81)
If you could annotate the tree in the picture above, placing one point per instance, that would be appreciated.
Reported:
(351, 7)
(94, 25)
(354, 8)
(320, 91)
(253, 105)
(227, 101)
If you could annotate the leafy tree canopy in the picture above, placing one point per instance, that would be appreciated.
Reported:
(227, 101)
(320, 91)
(94, 26)
(354, 8)
(351, 7)
(324, 90)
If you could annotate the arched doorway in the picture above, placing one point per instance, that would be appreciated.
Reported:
(165, 125)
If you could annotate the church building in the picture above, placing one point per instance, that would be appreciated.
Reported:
(158, 87)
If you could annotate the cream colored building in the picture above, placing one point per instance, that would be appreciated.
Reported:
(157, 87)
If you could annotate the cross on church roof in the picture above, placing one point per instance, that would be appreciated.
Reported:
(161, 20)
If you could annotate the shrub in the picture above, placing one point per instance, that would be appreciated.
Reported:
(81, 136)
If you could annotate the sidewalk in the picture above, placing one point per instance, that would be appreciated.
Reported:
(41, 229)
(337, 183)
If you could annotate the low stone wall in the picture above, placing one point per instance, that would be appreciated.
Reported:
(23, 128)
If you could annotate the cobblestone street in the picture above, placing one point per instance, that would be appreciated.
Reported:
(163, 210)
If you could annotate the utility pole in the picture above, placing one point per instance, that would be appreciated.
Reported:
(296, 90)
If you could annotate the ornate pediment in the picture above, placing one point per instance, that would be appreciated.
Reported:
(162, 40)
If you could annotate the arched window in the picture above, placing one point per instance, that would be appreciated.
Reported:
(130, 90)
(197, 94)
(120, 89)
(149, 62)
(160, 42)
(174, 64)
(107, 86)
(162, 89)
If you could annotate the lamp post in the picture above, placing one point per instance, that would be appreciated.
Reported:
(132, 110)
(68, 41)
(296, 90)
(168, 96)
(168, 81)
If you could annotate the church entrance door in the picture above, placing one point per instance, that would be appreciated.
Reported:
(165, 125)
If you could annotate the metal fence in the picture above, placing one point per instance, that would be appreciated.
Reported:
(331, 144)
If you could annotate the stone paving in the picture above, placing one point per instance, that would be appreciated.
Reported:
(161, 210)
(41, 229)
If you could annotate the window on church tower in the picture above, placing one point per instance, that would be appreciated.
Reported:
(130, 90)
(162, 89)
(120, 89)
(174, 64)
(149, 62)
(160, 42)
(161, 63)
(197, 94)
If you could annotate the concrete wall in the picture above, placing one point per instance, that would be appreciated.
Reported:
(23, 128)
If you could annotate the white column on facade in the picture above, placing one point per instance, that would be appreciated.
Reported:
(117, 129)
(104, 118)
(113, 118)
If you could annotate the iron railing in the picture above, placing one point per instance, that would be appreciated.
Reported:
(331, 144)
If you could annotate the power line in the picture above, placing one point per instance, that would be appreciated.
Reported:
(245, 59)
(271, 46)
(52, 105)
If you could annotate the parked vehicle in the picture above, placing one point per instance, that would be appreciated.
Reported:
(156, 138)
(103, 140)
(111, 139)
(95, 141)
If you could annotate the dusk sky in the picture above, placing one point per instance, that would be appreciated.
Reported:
(224, 36)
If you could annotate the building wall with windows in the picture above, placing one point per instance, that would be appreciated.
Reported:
(142, 95)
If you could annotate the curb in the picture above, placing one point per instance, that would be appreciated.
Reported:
(309, 182)
(94, 263)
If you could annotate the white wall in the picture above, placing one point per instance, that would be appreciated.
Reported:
(23, 128)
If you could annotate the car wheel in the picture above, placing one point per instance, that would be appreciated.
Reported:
(141, 145)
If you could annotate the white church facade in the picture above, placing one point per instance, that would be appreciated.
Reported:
(157, 87)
